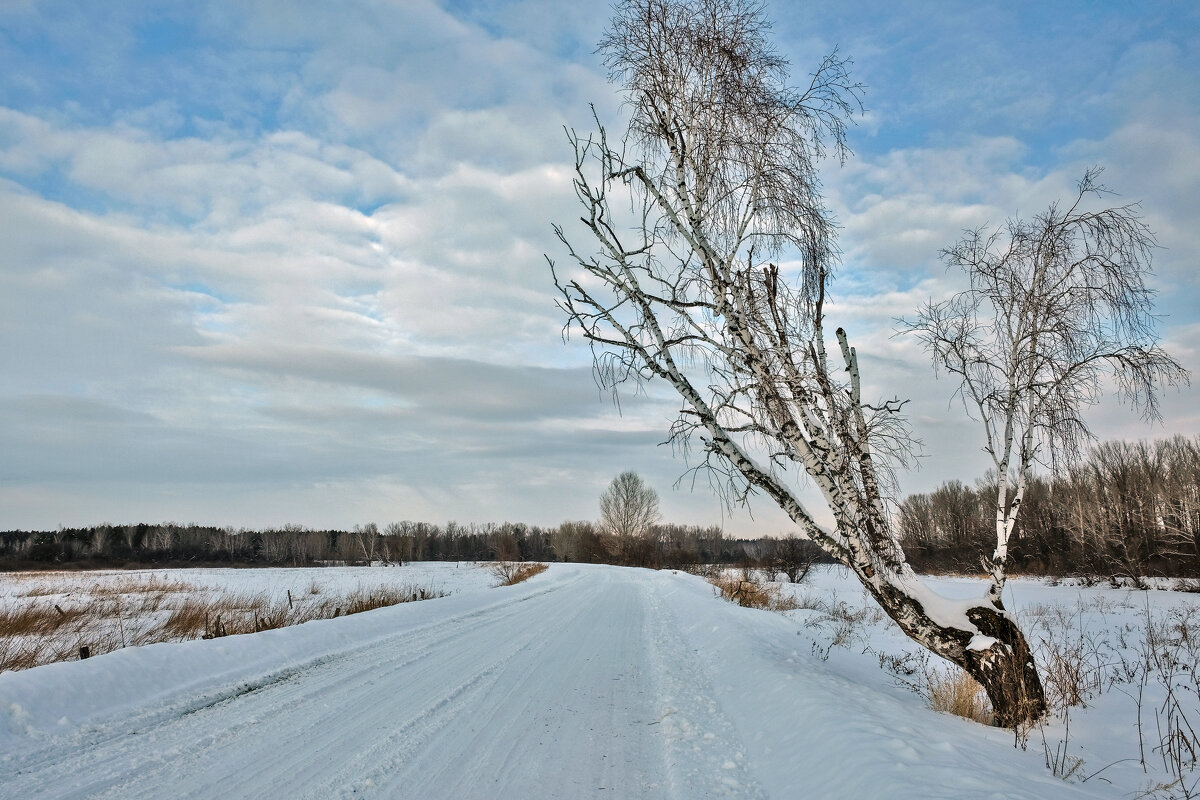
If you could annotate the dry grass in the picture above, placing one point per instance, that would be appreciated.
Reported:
(49, 584)
(38, 619)
(1067, 674)
(510, 573)
(186, 620)
(956, 692)
(136, 585)
(18, 655)
(843, 623)
(228, 615)
(751, 593)
(200, 615)
(130, 611)
(43, 590)
(369, 599)
(1076, 659)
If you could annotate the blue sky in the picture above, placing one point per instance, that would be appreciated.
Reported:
(274, 262)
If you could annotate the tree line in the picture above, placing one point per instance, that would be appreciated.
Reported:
(1129, 510)
(664, 545)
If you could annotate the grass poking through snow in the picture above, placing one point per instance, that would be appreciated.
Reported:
(53, 619)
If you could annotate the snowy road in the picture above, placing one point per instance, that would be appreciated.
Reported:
(584, 682)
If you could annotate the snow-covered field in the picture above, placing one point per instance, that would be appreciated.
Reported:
(274, 581)
(584, 681)
(48, 616)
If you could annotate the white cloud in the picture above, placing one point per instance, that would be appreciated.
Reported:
(292, 271)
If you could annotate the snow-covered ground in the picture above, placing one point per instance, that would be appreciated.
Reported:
(276, 581)
(1093, 639)
(48, 616)
(585, 681)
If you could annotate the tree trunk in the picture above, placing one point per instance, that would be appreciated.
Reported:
(995, 653)
(1006, 670)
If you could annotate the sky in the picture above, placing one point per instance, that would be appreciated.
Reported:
(283, 262)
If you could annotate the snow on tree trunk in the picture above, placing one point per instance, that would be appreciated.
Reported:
(984, 641)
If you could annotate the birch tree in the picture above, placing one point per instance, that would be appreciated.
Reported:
(702, 260)
(1056, 307)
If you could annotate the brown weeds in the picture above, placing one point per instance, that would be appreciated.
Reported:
(38, 619)
(956, 692)
(129, 611)
(134, 585)
(751, 593)
(511, 573)
(196, 615)
(43, 590)
(370, 599)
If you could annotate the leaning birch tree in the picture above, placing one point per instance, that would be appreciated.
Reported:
(703, 261)
(1055, 307)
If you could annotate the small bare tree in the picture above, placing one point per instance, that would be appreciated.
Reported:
(684, 281)
(628, 510)
(1054, 307)
(793, 556)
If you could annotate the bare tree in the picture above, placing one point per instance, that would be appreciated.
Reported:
(684, 280)
(628, 510)
(792, 556)
(367, 537)
(1054, 306)
(1181, 512)
(565, 540)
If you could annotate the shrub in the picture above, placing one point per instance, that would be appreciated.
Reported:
(749, 592)
(510, 573)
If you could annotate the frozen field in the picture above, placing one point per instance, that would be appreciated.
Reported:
(586, 681)
(47, 616)
(275, 581)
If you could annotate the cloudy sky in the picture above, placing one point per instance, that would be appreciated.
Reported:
(269, 262)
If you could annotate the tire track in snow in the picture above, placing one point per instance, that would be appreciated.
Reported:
(573, 713)
(705, 755)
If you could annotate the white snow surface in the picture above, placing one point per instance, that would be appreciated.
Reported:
(586, 681)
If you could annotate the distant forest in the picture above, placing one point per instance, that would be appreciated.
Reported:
(1128, 511)
(667, 546)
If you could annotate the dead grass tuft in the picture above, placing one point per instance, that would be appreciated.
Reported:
(955, 692)
(751, 593)
(234, 614)
(510, 573)
(18, 654)
(44, 590)
(200, 615)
